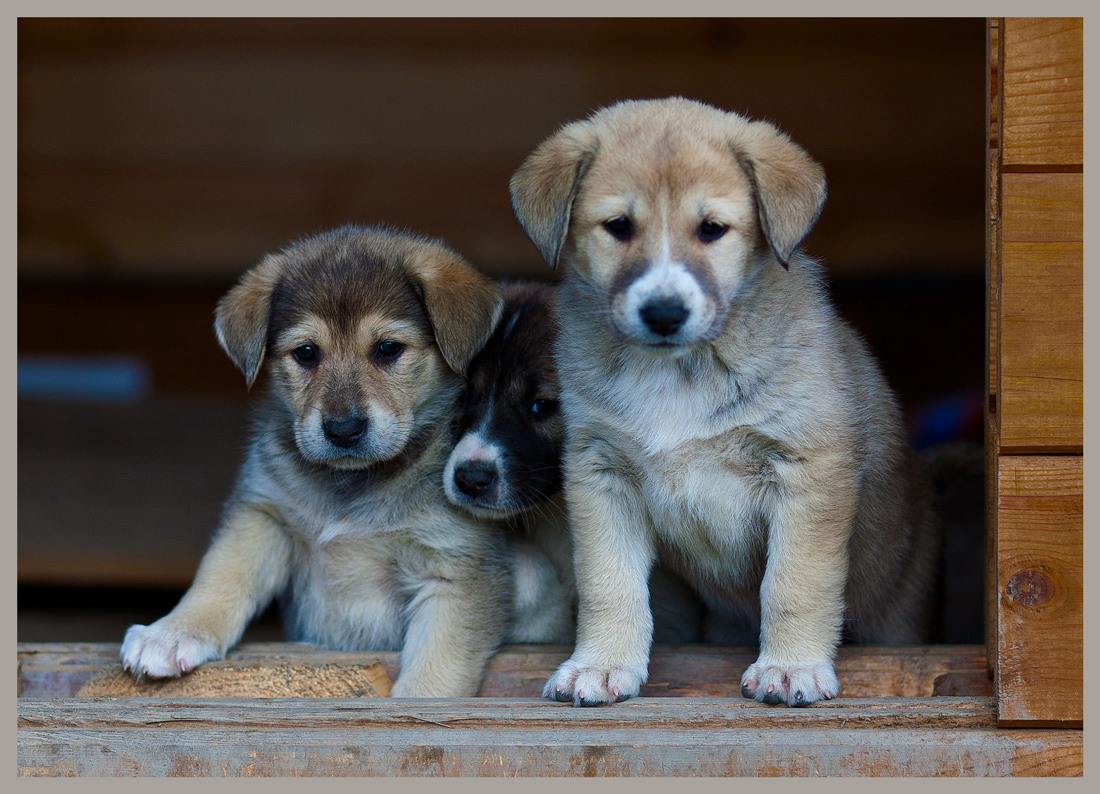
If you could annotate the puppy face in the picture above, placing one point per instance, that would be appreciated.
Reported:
(667, 208)
(509, 432)
(355, 388)
(668, 244)
(364, 332)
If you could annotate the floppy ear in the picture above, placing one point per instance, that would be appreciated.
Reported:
(240, 321)
(463, 305)
(544, 187)
(789, 185)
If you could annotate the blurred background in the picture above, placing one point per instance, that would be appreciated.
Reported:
(159, 158)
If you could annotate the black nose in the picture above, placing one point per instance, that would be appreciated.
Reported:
(474, 477)
(664, 316)
(344, 433)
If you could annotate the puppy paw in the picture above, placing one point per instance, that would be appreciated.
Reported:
(165, 650)
(583, 685)
(795, 685)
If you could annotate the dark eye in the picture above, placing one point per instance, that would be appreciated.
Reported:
(620, 228)
(543, 409)
(709, 231)
(388, 350)
(306, 355)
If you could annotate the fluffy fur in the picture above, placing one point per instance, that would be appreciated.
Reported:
(506, 465)
(720, 416)
(365, 334)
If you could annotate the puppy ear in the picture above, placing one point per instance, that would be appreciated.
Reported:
(544, 187)
(463, 305)
(240, 320)
(789, 185)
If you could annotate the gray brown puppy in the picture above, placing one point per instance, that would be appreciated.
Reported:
(720, 416)
(338, 509)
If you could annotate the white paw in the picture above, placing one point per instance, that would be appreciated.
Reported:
(584, 685)
(793, 684)
(165, 650)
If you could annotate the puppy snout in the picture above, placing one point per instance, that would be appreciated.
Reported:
(346, 432)
(474, 478)
(664, 316)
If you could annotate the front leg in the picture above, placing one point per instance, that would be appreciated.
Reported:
(246, 565)
(613, 551)
(456, 621)
(802, 593)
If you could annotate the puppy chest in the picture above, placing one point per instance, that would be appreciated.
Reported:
(348, 595)
(653, 407)
(713, 516)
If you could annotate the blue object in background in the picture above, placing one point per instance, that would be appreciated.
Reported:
(84, 378)
(954, 417)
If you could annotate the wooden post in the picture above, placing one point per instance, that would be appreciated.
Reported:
(1036, 369)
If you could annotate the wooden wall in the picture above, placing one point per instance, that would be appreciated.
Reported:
(1036, 410)
(190, 147)
(158, 158)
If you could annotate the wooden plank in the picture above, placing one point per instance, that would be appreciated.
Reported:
(1041, 391)
(368, 679)
(995, 102)
(1039, 677)
(60, 670)
(494, 713)
(1043, 208)
(491, 738)
(114, 570)
(1043, 77)
(470, 35)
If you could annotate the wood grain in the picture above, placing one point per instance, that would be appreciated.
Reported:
(256, 680)
(60, 669)
(1042, 78)
(1043, 208)
(1040, 579)
(1041, 334)
(994, 108)
(492, 738)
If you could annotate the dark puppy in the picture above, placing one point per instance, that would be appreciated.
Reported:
(506, 465)
(506, 461)
(365, 334)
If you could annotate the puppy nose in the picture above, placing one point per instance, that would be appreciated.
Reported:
(664, 316)
(344, 433)
(474, 477)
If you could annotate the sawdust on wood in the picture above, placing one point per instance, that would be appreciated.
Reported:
(229, 680)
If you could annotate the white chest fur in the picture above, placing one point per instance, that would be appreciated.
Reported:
(708, 506)
(660, 402)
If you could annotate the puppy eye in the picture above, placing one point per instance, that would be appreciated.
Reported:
(620, 228)
(306, 355)
(388, 349)
(543, 409)
(709, 231)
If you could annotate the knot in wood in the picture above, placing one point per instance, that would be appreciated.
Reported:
(1030, 588)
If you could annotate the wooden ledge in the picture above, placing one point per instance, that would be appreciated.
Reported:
(680, 727)
(945, 736)
(61, 669)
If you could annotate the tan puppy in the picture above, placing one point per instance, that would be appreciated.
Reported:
(338, 508)
(719, 415)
